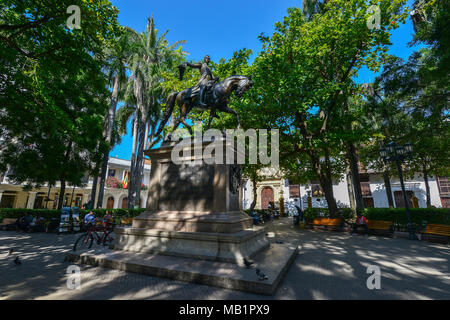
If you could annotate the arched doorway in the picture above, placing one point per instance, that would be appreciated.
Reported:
(266, 197)
(124, 202)
(110, 203)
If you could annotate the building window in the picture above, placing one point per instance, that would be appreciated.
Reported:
(365, 189)
(78, 200)
(111, 172)
(444, 185)
(39, 202)
(316, 189)
(67, 201)
(445, 202)
(294, 191)
(7, 201)
(368, 202)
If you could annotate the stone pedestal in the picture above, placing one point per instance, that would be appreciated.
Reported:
(193, 207)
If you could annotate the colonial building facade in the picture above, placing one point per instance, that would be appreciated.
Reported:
(273, 187)
(115, 195)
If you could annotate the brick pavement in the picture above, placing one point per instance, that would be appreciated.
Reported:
(330, 265)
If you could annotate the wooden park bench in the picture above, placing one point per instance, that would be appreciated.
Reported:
(334, 224)
(8, 224)
(437, 231)
(380, 226)
(126, 221)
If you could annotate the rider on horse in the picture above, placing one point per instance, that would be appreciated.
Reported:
(207, 80)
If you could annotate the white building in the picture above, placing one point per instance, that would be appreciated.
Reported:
(13, 196)
(273, 186)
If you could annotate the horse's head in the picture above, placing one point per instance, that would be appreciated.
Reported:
(244, 84)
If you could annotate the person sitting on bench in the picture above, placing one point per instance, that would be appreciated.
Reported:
(24, 223)
(360, 221)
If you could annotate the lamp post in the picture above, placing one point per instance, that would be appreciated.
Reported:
(397, 153)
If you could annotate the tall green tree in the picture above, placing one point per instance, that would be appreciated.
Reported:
(306, 70)
(53, 92)
(150, 56)
(117, 54)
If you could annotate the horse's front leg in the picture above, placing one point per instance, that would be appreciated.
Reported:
(229, 110)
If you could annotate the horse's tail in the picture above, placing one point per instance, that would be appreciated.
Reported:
(170, 104)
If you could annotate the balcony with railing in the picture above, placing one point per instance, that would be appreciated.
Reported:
(365, 189)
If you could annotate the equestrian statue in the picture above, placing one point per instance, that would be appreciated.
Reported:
(207, 94)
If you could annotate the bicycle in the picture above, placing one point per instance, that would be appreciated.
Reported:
(87, 239)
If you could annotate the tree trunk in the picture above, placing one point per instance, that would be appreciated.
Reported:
(427, 185)
(255, 193)
(133, 158)
(62, 193)
(327, 187)
(109, 133)
(326, 181)
(93, 192)
(136, 175)
(351, 195)
(137, 154)
(387, 185)
(62, 189)
(103, 173)
(353, 160)
(48, 196)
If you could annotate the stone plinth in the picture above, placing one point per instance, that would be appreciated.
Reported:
(193, 207)
(274, 262)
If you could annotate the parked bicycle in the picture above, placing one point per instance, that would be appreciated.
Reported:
(100, 233)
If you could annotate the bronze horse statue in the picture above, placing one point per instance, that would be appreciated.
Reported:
(217, 99)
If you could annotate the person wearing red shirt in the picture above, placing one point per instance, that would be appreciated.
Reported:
(360, 221)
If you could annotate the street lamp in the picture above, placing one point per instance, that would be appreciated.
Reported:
(398, 153)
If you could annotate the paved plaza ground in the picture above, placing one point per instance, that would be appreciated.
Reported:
(330, 265)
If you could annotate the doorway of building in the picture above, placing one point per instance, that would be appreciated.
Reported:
(110, 203)
(400, 202)
(266, 197)
(124, 202)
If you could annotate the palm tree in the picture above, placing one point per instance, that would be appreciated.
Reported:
(117, 54)
(150, 56)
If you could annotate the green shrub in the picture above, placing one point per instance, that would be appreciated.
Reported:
(419, 216)
(312, 213)
(48, 214)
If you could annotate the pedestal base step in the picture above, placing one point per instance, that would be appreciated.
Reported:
(274, 262)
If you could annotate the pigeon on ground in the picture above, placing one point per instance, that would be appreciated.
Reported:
(261, 275)
(247, 263)
(17, 260)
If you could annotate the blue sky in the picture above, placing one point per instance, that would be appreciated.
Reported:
(219, 28)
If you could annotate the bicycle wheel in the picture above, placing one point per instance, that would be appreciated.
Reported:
(108, 238)
(84, 241)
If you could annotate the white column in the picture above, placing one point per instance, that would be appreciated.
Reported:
(31, 199)
(116, 201)
(1, 194)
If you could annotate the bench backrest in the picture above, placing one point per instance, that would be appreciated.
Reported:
(6, 221)
(327, 221)
(439, 229)
(379, 224)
